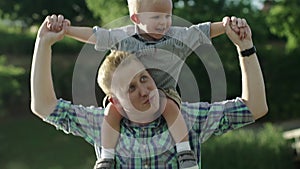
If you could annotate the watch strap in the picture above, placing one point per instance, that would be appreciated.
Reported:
(248, 52)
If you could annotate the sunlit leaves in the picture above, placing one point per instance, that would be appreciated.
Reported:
(284, 21)
(106, 10)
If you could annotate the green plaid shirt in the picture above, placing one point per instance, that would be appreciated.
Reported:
(151, 146)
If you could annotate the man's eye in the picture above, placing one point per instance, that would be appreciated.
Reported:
(131, 88)
(144, 78)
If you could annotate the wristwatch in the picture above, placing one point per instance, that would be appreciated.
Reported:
(248, 52)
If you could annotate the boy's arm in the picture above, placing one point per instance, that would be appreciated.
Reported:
(216, 29)
(83, 34)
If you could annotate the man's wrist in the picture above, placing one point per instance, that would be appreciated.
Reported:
(43, 41)
(246, 44)
(248, 52)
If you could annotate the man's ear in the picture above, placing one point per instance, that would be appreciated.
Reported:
(135, 19)
(116, 103)
(113, 100)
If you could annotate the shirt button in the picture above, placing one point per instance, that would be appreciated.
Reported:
(146, 166)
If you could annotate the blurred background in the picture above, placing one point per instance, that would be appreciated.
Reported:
(26, 142)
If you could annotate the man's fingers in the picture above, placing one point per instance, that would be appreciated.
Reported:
(244, 22)
(242, 33)
(48, 22)
(53, 18)
(56, 23)
(60, 20)
(233, 21)
(239, 22)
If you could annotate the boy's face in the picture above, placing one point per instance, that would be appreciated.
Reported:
(154, 18)
(136, 91)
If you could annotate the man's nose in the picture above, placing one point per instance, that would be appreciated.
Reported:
(144, 91)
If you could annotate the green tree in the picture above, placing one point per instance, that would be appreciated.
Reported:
(108, 11)
(10, 86)
(34, 12)
(284, 21)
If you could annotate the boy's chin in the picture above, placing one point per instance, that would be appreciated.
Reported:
(157, 36)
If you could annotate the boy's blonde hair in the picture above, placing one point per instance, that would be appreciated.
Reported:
(134, 6)
(109, 66)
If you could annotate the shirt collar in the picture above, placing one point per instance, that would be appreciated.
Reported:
(139, 37)
(153, 124)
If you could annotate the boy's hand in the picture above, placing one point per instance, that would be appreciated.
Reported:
(55, 23)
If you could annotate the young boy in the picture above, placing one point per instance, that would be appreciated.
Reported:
(151, 33)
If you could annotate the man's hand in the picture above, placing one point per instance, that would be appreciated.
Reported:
(57, 23)
(238, 25)
(242, 39)
(45, 34)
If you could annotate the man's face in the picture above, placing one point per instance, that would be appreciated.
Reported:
(136, 91)
(155, 19)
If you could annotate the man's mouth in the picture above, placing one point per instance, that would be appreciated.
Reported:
(149, 100)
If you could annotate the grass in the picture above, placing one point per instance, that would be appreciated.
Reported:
(248, 149)
(30, 143)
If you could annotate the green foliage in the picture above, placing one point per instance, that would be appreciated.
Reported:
(205, 10)
(282, 87)
(33, 12)
(108, 11)
(45, 147)
(10, 84)
(248, 149)
(238, 149)
(279, 68)
(30, 143)
(14, 41)
(284, 21)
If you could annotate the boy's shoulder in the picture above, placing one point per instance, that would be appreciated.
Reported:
(201, 27)
(128, 29)
(122, 30)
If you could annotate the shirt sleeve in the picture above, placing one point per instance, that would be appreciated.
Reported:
(193, 36)
(77, 120)
(204, 28)
(108, 38)
(217, 118)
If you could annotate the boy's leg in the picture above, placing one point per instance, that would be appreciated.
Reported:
(175, 121)
(179, 132)
(110, 131)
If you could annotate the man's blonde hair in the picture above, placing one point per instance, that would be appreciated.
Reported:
(109, 66)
